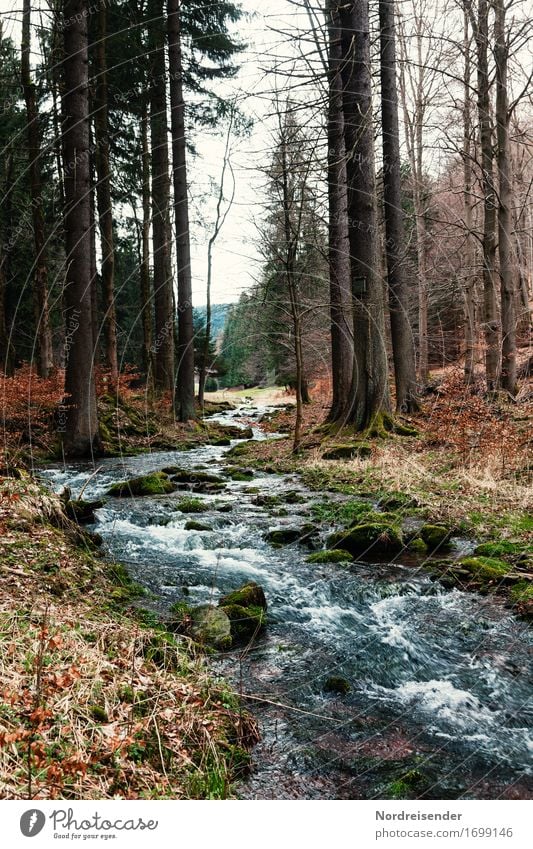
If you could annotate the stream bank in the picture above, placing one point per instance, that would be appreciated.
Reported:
(371, 680)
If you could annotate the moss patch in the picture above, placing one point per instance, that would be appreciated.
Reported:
(335, 555)
(371, 538)
(156, 483)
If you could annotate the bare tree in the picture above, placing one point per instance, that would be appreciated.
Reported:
(220, 219)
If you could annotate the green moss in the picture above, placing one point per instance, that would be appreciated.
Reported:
(503, 548)
(417, 546)
(191, 505)
(161, 648)
(330, 556)
(435, 536)
(249, 595)
(99, 714)
(156, 483)
(485, 568)
(242, 449)
(522, 592)
(246, 622)
(211, 627)
(371, 538)
(348, 452)
(237, 474)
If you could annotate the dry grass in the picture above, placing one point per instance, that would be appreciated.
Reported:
(93, 704)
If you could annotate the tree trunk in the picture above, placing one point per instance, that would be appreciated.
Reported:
(469, 286)
(103, 196)
(146, 288)
(163, 288)
(40, 292)
(395, 247)
(490, 306)
(369, 402)
(505, 224)
(340, 284)
(80, 435)
(6, 354)
(185, 407)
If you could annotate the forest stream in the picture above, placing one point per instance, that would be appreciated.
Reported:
(438, 704)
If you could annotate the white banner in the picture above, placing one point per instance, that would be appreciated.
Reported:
(268, 824)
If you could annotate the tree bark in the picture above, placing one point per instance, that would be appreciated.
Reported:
(40, 269)
(395, 248)
(369, 402)
(80, 437)
(163, 288)
(185, 406)
(340, 284)
(505, 224)
(490, 306)
(469, 286)
(146, 287)
(103, 197)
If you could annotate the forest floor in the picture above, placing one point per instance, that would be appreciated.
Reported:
(96, 699)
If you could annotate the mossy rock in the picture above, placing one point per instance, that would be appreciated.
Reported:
(335, 555)
(238, 474)
(191, 475)
(266, 500)
(336, 684)
(81, 511)
(348, 452)
(287, 536)
(242, 449)
(192, 525)
(220, 440)
(485, 568)
(156, 483)
(211, 627)
(225, 508)
(191, 505)
(250, 594)
(418, 546)
(435, 536)
(293, 497)
(369, 538)
(246, 622)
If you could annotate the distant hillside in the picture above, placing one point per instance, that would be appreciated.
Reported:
(218, 317)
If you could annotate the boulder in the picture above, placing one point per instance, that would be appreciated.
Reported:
(435, 536)
(245, 622)
(335, 555)
(211, 626)
(157, 483)
(250, 594)
(286, 536)
(370, 538)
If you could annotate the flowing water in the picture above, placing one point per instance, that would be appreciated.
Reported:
(440, 702)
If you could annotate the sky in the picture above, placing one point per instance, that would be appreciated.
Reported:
(236, 258)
